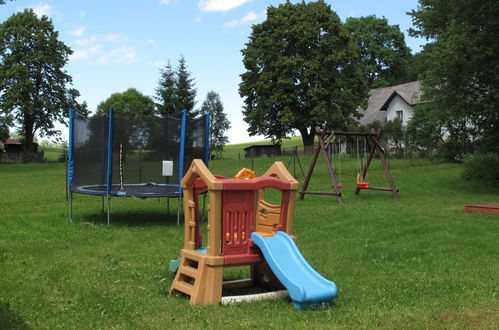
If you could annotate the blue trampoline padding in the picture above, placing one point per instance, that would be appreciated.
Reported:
(306, 287)
(110, 152)
(207, 139)
(142, 190)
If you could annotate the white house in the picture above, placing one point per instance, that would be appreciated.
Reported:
(388, 103)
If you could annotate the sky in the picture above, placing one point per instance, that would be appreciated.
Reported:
(122, 44)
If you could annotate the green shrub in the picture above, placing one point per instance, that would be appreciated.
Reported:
(483, 168)
(62, 156)
(452, 151)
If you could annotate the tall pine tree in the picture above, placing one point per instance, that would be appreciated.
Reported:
(176, 91)
(166, 92)
(219, 123)
(185, 91)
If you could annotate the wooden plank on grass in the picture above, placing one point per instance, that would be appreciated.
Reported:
(483, 208)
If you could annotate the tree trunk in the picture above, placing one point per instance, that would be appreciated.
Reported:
(29, 135)
(307, 137)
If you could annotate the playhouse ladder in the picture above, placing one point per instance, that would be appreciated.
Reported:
(200, 277)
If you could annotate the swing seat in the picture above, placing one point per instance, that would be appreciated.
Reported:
(340, 186)
(363, 185)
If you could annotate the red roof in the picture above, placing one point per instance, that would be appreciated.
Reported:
(12, 141)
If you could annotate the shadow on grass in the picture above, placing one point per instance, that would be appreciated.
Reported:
(9, 320)
(142, 218)
(472, 188)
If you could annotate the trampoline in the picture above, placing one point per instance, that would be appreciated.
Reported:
(140, 190)
(132, 156)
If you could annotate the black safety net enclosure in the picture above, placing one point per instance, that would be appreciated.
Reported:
(196, 147)
(88, 153)
(122, 155)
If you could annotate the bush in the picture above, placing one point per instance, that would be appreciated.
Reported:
(452, 151)
(63, 152)
(483, 168)
(63, 155)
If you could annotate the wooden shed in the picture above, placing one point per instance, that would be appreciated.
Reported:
(262, 150)
(16, 146)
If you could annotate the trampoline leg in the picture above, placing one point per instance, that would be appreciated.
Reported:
(102, 210)
(71, 206)
(167, 205)
(108, 209)
(178, 209)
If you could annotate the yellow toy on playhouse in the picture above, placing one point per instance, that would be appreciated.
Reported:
(244, 229)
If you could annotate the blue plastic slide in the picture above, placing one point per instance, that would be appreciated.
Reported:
(306, 287)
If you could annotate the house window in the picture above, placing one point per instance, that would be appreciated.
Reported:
(400, 115)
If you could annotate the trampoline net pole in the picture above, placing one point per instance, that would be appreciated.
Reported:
(70, 206)
(108, 209)
(66, 160)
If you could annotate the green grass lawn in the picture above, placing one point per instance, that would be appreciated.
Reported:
(52, 154)
(415, 262)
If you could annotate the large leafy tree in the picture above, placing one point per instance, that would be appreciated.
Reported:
(424, 129)
(301, 71)
(394, 132)
(130, 103)
(34, 87)
(4, 129)
(131, 108)
(219, 123)
(384, 55)
(461, 61)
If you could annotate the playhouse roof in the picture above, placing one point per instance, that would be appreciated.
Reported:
(198, 169)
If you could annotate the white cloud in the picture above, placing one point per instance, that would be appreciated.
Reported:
(97, 50)
(164, 2)
(83, 14)
(220, 5)
(107, 38)
(85, 53)
(78, 32)
(122, 55)
(249, 18)
(151, 41)
(78, 54)
(158, 63)
(43, 9)
(113, 37)
(85, 42)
